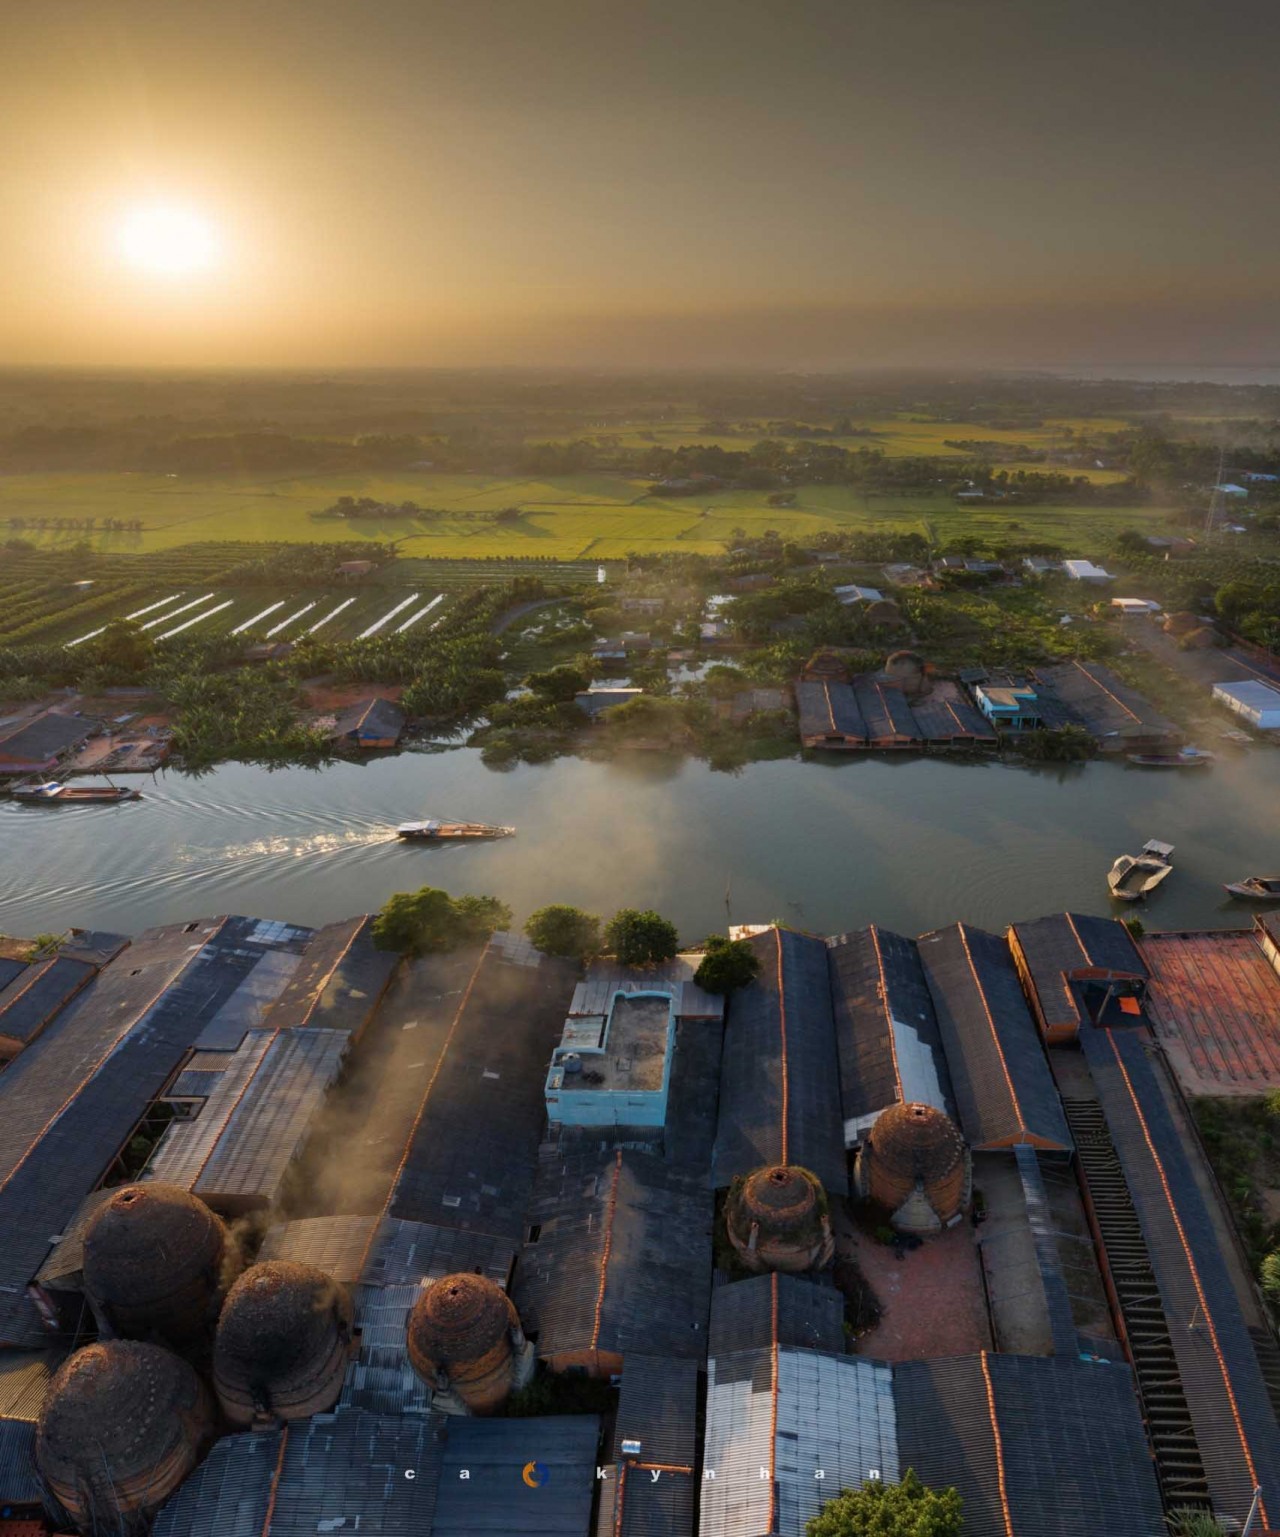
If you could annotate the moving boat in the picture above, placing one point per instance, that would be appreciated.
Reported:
(431, 831)
(1134, 876)
(1256, 888)
(51, 793)
(1185, 757)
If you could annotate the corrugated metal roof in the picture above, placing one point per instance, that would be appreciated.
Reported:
(337, 982)
(810, 1315)
(405, 1251)
(228, 1494)
(25, 1376)
(470, 1161)
(658, 1407)
(829, 709)
(1067, 942)
(1071, 1451)
(1230, 1409)
(595, 993)
(887, 1035)
(1057, 1299)
(780, 1085)
(886, 712)
(31, 1000)
(19, 1481)
(335, 1245)
(247, 1007)
(495, 1498)
(379, 1377)
(68, 1101)
(623, 1259)
(694, 1095)
(945, 714)
(42, 737)
(1103, 703)
(1004, 1090)
(835, 1414)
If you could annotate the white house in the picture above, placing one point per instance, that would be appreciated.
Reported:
(1229, 488)
(1254, 701)
(1127, 607)
(1086, 571)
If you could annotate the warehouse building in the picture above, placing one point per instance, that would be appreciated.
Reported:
(1253, 701)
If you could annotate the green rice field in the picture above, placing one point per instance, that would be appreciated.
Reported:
(580, 517)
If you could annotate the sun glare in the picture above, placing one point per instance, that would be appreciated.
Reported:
(167, 240)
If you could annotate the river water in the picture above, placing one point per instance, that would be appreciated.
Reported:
(912, 843)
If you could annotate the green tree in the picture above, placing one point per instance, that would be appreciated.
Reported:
(907, 1509)
(728, 963)
(640, 938)
(429, 920)
(562, 930)
(124, 649)
(559, 684)
(1269, 1274)
(1186, 1522)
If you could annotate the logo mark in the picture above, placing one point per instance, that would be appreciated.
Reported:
(535, 1474)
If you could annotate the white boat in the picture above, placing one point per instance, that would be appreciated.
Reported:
(1134, 876)
(1256, 888)
(52, 793)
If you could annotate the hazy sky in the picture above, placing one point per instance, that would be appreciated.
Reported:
(809, 183)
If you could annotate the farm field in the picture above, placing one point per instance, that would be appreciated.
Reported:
(259, 613)
(585, 517)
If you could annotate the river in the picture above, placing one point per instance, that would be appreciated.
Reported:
(912, 843)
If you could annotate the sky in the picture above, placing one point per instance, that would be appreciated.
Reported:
(759, 183)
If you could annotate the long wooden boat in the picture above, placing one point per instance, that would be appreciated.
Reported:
(51, 793)
(1256, 888)
(1185, 758)
(432, 831)
(1134, 876)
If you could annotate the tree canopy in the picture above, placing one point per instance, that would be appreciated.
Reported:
(728, 963)
(429, 920)
(641, 938)
(562, 930)
(906, 1509)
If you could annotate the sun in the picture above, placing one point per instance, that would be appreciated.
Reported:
(168, 240)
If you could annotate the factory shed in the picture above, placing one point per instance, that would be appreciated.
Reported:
(1040, 1446)
(1231, 1414)
(658, 1414)
(69, 1102)
(470, 1159)
(946, 717)
(1117, 715)
(337, 983)
(34, 746)
(495, 1499)
(794, 1414)
(618, 1259)
(35, 996)
(887, 1037)
(745, 1315)
(780, 1084)
(1252, 700)
(829, 714)
(247, 1007)
(1004, 1090)
(1075, 968)
(236, 1153)
(884, 709)
(229, 1494)
(368, 724)
(25, 1376)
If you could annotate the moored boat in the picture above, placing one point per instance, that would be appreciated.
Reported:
(432, 831)
(1256, 888)
(1185, 757)
(1134, 876)
(51, 793)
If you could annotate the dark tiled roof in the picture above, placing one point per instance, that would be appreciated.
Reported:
(1067, 1443)
(809, 1315)
(828, 708)
(336, 1245)
(495, 1499)
(1100, 701)
(1004, 1090)
(1219, 1367)
(406, 1251)
(376, 718)
(694, 1094)
(877, 978)
(45, 736)
(97, 946)
(1067, 942)
(228, 1494)
(69, 1101)
(1060, 1324)
(340, 978)
(792, 990)
(19, 1481)
(471, 1157)
(623, 1260)
(945, 714)
(885, 710)
(658, 1407)
(33, 999)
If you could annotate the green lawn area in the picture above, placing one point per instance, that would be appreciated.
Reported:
(586, 517)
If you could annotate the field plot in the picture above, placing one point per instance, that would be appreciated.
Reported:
(572, 518)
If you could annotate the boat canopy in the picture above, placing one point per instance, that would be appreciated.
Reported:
(429, 826)
(1157, 849)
